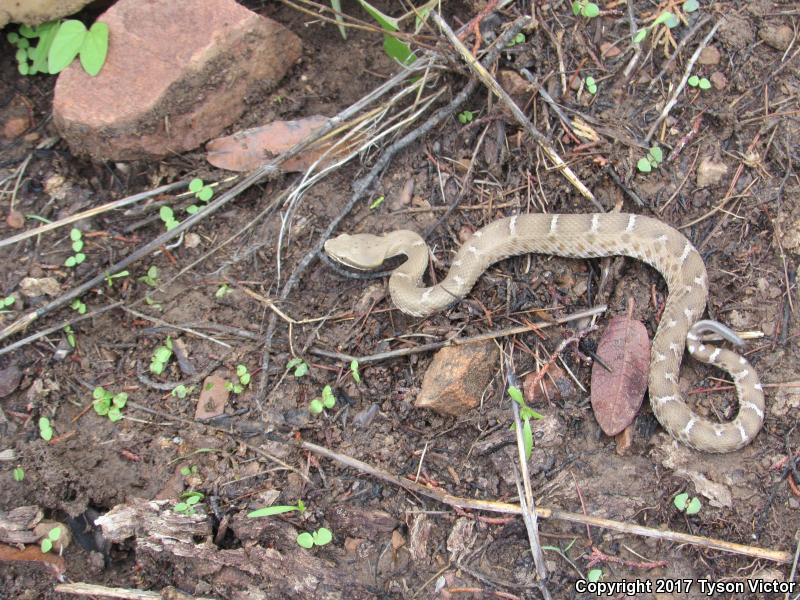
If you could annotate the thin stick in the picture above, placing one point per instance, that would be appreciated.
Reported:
(40, 334)
(491, 335)
(687, 72)
(492, 84)
(551, 513)
(92, 212)
(685, 40)
(91, 589)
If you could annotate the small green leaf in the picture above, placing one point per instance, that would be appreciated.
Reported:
(577, 5)
(120, 400)
(305, 540)
(644, 165)
(322, 536)
(30, 32)
(527, 438)
(301, 369)
(656, 154)
(315, 406)
(516, 395)
(101, 406)
(400, 51)
(591, 85)
(519, 38)
(328, 399)
(94, 49)
(271, 511)
(680, 501)
(24, 69)
(13, 38)
(19, 474)
(98, 393)
(690, 6)
(54, 534)
(704, 84)
(206, 193)
(77, 245)
(45, 430)
(639, 37)
(377, 202)
(166, 214)
(354, 371)
(66, 45)
(693, 81)
(663, 18)
(79, 258)
(385, 21)
(594, 575)
(244, 379)
(293, 362)
(21, 55)
(195, 185)
(672, 22)
(75, 234)
(191, 209)
(693, 507)
(241, 370)
(590, 10)
(47, 545)
(70, 262)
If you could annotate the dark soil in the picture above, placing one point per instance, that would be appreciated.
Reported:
(389, 542)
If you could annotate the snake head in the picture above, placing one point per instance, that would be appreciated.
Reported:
(362, 251)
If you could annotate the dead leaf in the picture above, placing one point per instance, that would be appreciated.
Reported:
(213, 398)
(15, 219)
(617, 396)
(43, 286)
(250, 148)
(710, 172)
(32, 554)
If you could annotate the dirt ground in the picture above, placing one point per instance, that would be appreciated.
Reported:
(741, 135)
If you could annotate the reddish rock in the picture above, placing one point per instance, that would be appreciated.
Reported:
(213, 398)
(176, 75)
(457, 377)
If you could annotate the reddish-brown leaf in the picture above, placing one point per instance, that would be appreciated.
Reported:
(617, 396)
(249, 149)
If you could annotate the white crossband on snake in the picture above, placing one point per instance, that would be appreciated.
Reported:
(588, 236)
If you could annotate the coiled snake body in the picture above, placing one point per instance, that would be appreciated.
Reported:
(587, 236)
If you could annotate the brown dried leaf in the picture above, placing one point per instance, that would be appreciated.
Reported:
(247, 150)
(617, 396)
(213, 398)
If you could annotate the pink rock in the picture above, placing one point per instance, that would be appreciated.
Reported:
(176, 75)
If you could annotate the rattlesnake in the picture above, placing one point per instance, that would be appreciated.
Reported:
(588, 236)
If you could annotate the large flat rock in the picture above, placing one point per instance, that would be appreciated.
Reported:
(176, 75)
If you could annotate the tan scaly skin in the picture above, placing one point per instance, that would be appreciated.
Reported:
(588, 236)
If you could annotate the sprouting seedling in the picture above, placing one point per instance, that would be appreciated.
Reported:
(181, 391)
(354, 370)
(77, 245)
(684, 504)
(299, 365)
(111, 277)
(222, 291)
(52, 536)
(59, 42)
(651, 161)
(244, 379)
(665, 18)
(690, 6)
(189, 471)
(591, 85)
(70, 335)
(78, 306)
(594, 575)
(526, 413)
(108, 404)
(516, 40)
(19, 474)
(45, 429)
(151, 278)
(161, 356)
(377, 202)
(320, 537)
(201, 191)
(465, 117)
(699, 82)
(328, 400)
(6, 302)
(271, 511)
(189, 502)
(585, 8)
(168, 217)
